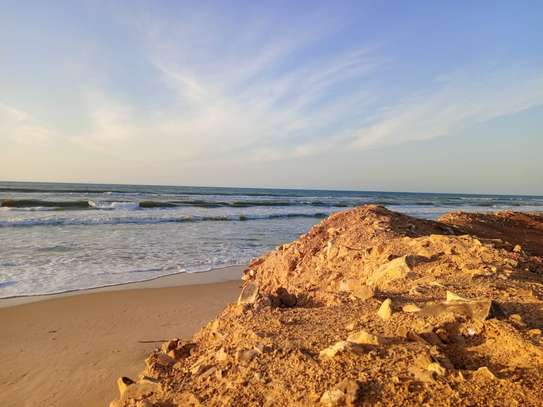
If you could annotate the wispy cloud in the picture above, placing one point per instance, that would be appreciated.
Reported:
(20, 127)
(247, 102)
(454, 103)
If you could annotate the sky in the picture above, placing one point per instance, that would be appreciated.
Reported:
(366, 95)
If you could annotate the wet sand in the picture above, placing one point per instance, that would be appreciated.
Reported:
(68, 349)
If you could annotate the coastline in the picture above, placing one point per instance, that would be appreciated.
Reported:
(68, 349)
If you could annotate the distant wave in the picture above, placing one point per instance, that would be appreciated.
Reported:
(149, 204)
(151, 220)
(38, 204)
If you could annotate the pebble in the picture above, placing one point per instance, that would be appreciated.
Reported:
(364, 338)
(410, 308)
(385, 310)
(332, 398)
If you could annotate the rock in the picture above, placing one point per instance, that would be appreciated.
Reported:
(425, 369)
(534, 332)
(517, 248)
(484, 372)
(391, 271)
(477, 309)
(333, 398)
(141, 389)
(350, 326)
(123, 383)
(249, 293)
(357, 289)
(246, 355)
(410, 308)
(364, 338)
(333, 350)
(221, 356)
(385, 310)
(516, 318)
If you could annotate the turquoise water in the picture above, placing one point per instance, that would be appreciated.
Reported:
(57, 237)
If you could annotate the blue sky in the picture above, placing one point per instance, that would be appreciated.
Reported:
(410, 96)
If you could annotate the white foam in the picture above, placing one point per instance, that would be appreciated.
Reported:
(114, 205)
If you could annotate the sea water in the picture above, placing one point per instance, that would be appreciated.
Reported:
(58, 237)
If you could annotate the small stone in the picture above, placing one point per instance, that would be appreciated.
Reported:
(123, 383)
(515, 318)
(385, 310)
(357, 289)
(484, 372)
(350, 326)
(249, 293)
(534, 332)
(333, 398)
(246, 355)
(517, 248)
(221, 356)
(333, 350)
(477, 309)
(410, 308)
(141, 389)
(364, 338)
(393, 270)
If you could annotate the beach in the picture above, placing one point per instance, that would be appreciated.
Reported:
(68, 349)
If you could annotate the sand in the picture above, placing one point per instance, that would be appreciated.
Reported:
(68, 349)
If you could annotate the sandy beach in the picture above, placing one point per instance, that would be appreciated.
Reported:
(68, 349)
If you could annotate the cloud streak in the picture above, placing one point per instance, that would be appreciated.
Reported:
(460, 101)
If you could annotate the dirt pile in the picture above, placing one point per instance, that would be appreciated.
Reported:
(371, 307)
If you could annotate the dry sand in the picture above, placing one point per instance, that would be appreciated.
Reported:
(67, 350)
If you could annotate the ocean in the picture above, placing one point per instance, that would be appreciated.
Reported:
(57, 237)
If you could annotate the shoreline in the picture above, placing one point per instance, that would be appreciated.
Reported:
(215, 275)
(68, 349)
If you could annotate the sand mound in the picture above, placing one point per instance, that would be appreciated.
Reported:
(371, 307)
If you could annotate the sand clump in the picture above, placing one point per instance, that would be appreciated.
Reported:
(371, 307)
